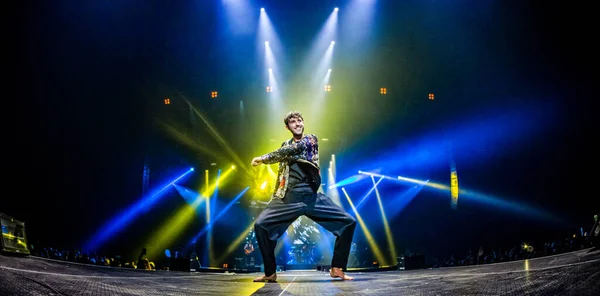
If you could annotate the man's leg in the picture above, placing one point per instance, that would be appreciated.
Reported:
(333, 218)
(272, 224)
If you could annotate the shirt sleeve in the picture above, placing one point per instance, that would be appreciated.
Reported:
(289, 151)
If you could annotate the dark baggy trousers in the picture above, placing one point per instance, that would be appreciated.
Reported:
(280, 213)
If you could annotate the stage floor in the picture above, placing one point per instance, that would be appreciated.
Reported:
(575, 273)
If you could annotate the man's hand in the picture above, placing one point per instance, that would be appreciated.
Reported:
(256, 161)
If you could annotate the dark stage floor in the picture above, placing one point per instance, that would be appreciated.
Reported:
(575, 273)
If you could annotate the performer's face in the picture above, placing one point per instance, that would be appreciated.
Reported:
(296, 126)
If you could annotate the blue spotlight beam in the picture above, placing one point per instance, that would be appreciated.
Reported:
(511, 206)
(322, 74)
(364, 198)
(486, 199)
(359, 177)
(473, 139)
(267, 32)
(193, 198)
(358, 24)
(216, 191)
(348, 181)
(121, 220)
(399, 202)
(209, 226)
(326, 35)
(238, 19)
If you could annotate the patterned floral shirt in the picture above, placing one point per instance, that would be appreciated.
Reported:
(305, 150)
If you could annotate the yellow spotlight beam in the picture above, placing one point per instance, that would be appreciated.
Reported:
(386, 226)
(208, 203)
(377, 252)
(206, 195)
(271, 172)
(182, 138)
(235, 244)
(425, 183)
(209, 238)
(263, 181)
(217, 137)
(211, 191)
(174, 226)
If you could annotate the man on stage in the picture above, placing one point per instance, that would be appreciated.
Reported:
(296, 194)
(249, 252)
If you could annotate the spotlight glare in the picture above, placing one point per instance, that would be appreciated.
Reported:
(267, 43)
(262, 9)
(360, 172)
(336, 9)
(329, 70)
(270, 70)
(332, 42)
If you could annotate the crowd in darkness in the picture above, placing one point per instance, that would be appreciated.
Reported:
(481, 256)
(360, 256)
(516, 252)
(76, 255)
(577, 241)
